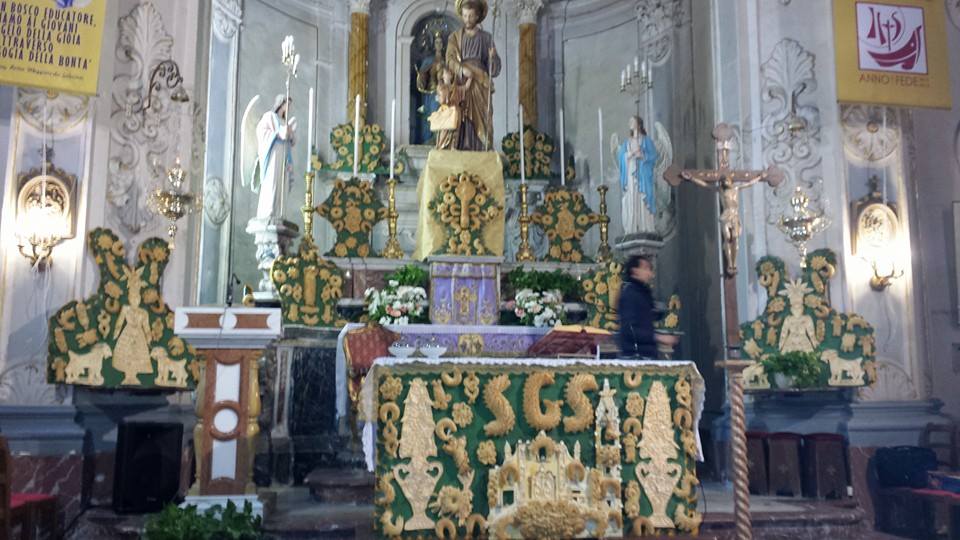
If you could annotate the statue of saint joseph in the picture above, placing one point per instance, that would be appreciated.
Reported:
(472, 56)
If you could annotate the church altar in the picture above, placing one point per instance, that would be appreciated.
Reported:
(533, 447)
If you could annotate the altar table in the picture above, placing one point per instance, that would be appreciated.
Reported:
(532, 447)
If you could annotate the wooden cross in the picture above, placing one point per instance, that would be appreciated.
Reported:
(728, 184)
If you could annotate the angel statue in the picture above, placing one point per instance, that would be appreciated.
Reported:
(266, 152)
(472, 56)
(639, 159)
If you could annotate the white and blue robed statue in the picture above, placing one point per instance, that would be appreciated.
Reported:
(636, 159)
(267, 157)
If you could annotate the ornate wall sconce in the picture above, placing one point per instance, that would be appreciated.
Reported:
(173, 203)
(165, 74)
(876, 236)
(44, 211)
(802, 224)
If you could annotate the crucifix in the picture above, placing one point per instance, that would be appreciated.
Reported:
(728, 183)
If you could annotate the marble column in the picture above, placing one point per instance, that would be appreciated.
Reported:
(357, 63)
(527, 11)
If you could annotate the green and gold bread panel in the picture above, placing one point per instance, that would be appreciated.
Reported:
(353, 209)
(309, 287)
(122, 336)
(563, 453)
(601, 291)
(798, 317)
(565, 218)
(538, 152)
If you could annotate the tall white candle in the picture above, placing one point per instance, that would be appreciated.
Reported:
(643, 68)
(523, 162)
(563, 156)
(649, 72)
(393, 123)
(630, 72)
(310, 117)
(600, 125)
(623, 78)
(636, 64)
(356, 135)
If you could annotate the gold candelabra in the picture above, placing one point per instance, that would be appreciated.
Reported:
(307, 207)
(392, 249)
(524, 252)
(604, 254)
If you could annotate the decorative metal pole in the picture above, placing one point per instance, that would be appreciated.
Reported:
(393, 249)
(524, 252)
(307, 207)
(604, 254)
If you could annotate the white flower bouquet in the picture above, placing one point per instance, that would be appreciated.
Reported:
(396, 304)
(539, 308)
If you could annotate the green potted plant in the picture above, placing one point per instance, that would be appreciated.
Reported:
(215, 523)
(794, 369)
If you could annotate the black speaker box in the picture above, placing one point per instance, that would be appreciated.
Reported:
(146, 474)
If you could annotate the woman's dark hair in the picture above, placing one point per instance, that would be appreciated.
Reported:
(641, 129)
(635, 261)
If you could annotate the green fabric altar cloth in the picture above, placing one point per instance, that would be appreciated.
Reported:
(532, 447)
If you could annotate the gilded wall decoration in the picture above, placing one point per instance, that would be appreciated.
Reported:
(565, 218)
(601, 291)
(353, 208)
(123, 335)
(538, 153)
(505, 478)
(464, 205)
(799, 317)
(870, 133)
(309, 287)
(791, 125)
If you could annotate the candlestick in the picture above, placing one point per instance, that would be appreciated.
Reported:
(600, 123)
(563, 156)
(392, 249)
(524, 252)
(523, 162)
(356, 135)
(604, 253)
(307, 207)
(393, 124)
(310, 118)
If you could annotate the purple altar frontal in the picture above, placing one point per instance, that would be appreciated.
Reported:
(464, 290)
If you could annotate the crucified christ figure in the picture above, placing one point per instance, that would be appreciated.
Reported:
(728, 184)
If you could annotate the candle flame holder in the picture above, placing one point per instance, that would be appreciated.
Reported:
(604, 253)
(392, 249)
(524, 252)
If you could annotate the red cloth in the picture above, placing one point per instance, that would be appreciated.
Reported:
(365, 345)
(21, 499)
(937, 493)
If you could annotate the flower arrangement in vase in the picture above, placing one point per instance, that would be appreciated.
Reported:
(536, 308)
(396, 304)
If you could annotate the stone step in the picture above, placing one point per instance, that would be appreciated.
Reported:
(341, 485)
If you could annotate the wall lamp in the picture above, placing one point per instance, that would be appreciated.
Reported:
(165, 74)
(876, 235)
(44, 212)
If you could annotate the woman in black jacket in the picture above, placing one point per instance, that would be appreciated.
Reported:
(635, 309)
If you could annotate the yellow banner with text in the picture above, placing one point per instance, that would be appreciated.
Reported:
(51, 44)
(892, 52)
